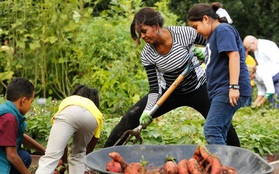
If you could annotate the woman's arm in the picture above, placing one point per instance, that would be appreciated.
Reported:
(200, 40)
(153, 86)
(91, 145)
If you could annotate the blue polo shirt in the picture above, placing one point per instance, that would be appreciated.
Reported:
(225, 38)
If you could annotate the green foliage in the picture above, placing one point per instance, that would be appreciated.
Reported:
(39, 120)
(257, 128)
(61, 44)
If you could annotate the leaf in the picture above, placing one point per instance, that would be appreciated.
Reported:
(76, 16)
(6, 75)
(35, 45)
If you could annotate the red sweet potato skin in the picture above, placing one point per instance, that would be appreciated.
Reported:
(171, 167)
(182, 167)
(193, 166)
(114, 166)
(134, 168)
(117, 157)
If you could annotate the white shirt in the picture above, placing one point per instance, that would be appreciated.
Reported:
(264, 80)
(267, 52)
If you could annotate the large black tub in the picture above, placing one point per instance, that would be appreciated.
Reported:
(244, 161)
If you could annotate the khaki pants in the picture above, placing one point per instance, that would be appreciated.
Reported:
(73, 121)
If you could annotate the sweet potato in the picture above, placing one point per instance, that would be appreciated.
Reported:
(152, 172)
(171, 167)
(198, 156)
(134, 168)
(212, 163)
(117, 157)
(114, 166)
(212, 160)
(193, 166)
(182, 166)
(227, 170)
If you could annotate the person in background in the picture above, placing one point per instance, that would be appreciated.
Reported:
(265, 51)
(266, 54)
(267, 82)
(78, 116)
(14, 160)
(222, 13)
(251, 64)
(5, 47)
(166, 52)
(228, 82)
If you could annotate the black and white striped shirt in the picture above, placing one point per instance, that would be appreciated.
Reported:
(162, 70)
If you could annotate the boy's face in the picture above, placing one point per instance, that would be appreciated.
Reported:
(26, 104)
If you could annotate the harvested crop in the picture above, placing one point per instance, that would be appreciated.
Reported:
(210, 163)
(117, 157)
(171, 167)
(193, 166)
(201, 162)
(114, 166)
(134, 168)
(182, 167)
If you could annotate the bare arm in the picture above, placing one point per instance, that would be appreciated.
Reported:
(91, 145)
(15, 160)
(234, 71)
(30, 142)
(260, 100)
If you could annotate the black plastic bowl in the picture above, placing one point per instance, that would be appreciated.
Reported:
(244, 161)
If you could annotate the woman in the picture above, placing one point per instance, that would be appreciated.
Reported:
(228, 82)
(78, 116)
(164, 57)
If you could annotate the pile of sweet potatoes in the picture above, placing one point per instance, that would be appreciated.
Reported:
(201, 162)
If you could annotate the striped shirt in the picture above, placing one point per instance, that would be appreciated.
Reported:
(162, 70)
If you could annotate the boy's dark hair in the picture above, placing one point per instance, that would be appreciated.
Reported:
(87, 92)
(19, 87)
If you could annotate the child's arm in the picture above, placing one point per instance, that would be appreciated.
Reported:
(234, 71)
(15, 160)
(30, 142)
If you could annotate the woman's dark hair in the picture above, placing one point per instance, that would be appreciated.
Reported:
(19, 87)
(198, 11)
(146, 16)
(87, 92)
(216, 6)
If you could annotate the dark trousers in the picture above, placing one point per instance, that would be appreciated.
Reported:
(25, 157)
(197, 99)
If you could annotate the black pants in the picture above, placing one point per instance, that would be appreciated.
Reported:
(197, 100)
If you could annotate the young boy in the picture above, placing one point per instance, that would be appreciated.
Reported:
(13, 160)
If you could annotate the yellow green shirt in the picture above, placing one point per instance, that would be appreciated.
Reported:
(87, 104)
(251, 63)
